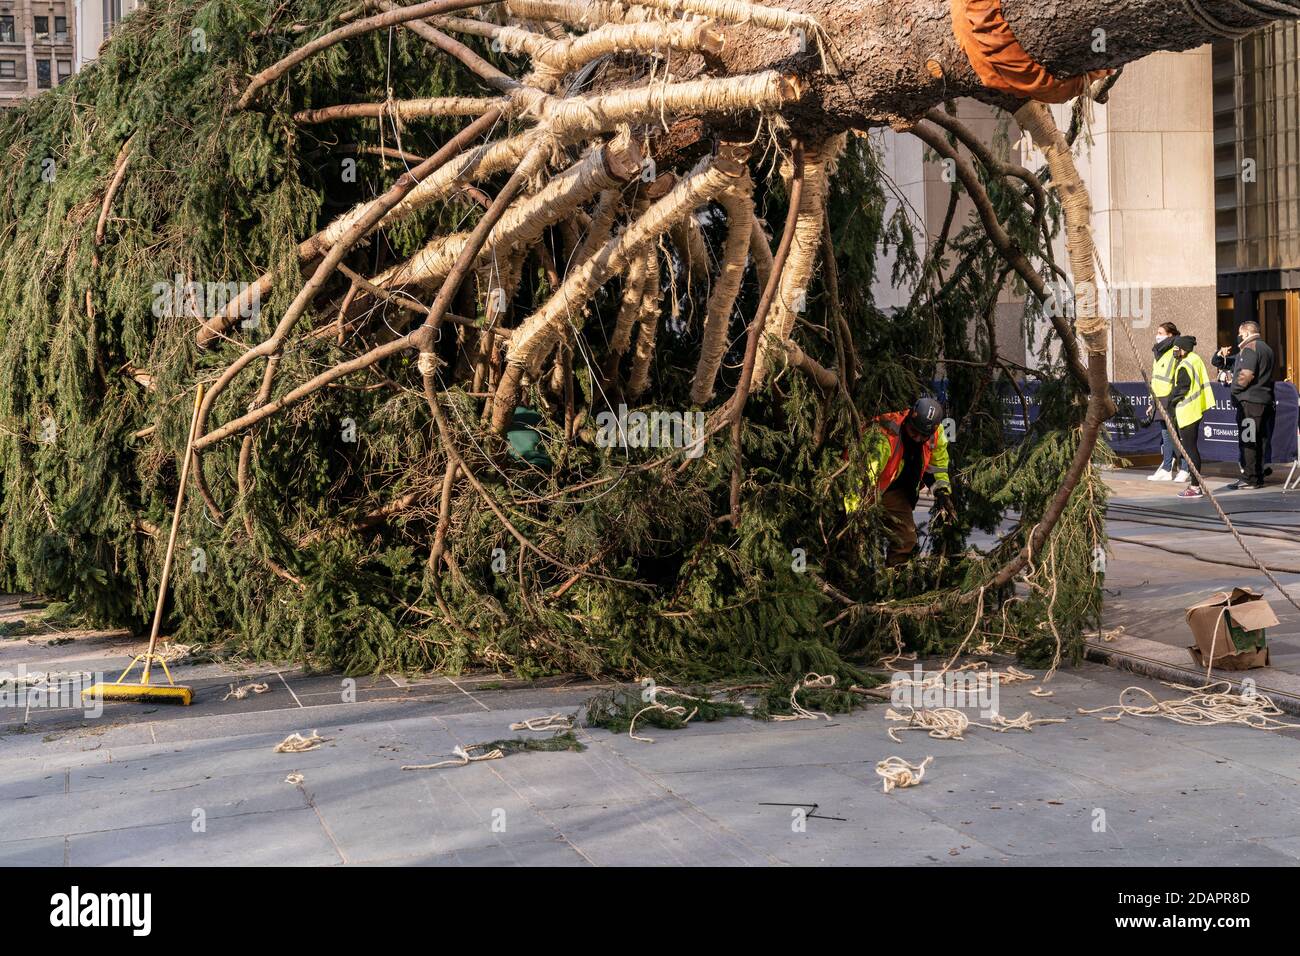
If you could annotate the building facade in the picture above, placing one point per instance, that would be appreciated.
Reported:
(95, 22)
(1193, 166)
(43, 42)
(1257, 187)
(37, 47)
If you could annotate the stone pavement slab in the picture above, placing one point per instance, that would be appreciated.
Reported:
(255, 839)
(130, 787)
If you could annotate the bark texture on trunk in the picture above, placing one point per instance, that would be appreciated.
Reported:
(886, 51)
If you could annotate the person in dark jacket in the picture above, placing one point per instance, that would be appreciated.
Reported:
(1223, 360)
(1253, 371)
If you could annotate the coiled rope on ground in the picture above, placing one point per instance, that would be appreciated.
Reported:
(1209, 705)
(897, 772)
(949, 723)
(810, 682)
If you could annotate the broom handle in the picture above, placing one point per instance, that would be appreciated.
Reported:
(171, 540)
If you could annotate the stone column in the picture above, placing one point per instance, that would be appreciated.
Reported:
(1153, 202)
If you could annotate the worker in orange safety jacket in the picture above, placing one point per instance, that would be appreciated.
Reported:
(905, 450)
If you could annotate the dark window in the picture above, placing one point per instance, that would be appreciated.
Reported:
(1258, 129)
(61, 29)
(43, 74)
(8, 68)
(42, 27)
(7, 34)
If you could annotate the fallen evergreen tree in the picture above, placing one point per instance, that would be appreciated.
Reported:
(432, 263)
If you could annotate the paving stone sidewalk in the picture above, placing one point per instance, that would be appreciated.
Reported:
(153, 785)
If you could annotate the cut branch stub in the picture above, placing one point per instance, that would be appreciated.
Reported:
(739, 205)
(797, 276)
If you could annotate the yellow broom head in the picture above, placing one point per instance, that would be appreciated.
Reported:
(143, 693)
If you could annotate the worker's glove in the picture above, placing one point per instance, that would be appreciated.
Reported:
(1150, 417)
(944, 504)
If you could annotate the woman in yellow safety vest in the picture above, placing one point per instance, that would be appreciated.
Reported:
(1162, 383)
(1190, 397)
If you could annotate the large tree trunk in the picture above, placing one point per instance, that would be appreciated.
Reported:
(885, 50)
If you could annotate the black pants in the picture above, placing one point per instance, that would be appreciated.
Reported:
(1257, 419)
(1189, 435)
(1241, 451)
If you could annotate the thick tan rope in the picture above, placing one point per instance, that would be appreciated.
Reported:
(462, 758)
(897, 772)
(1207, 706)
(239, 693)
(678, 711)
(549, 722)
(1025, 722)
(984, 676)
(297, 743)
(949, 723)
(809, 682)
(943, 723)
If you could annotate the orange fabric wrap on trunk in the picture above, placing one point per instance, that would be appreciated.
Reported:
(1001, 62)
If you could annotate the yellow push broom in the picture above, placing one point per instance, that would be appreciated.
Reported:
(171, 692)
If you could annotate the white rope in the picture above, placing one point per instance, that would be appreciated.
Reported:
(1210, 705)
(462, 758)
(239, 693)
(296, 743)
(897, 772)
(943, 723)
(549, 722)
(675, 711)
(810, 681)
(949, 723)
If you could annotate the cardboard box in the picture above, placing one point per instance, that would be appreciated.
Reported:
(1233, 624)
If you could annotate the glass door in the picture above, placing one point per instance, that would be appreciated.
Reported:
(1279, 320)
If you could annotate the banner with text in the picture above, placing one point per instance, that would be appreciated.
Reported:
(1218, 437)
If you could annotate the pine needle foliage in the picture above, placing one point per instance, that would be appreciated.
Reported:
(639, 576)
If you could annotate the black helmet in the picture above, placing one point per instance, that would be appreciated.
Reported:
(925, 416)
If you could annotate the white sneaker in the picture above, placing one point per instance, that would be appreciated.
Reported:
(1161, 474)
(1184, 475)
